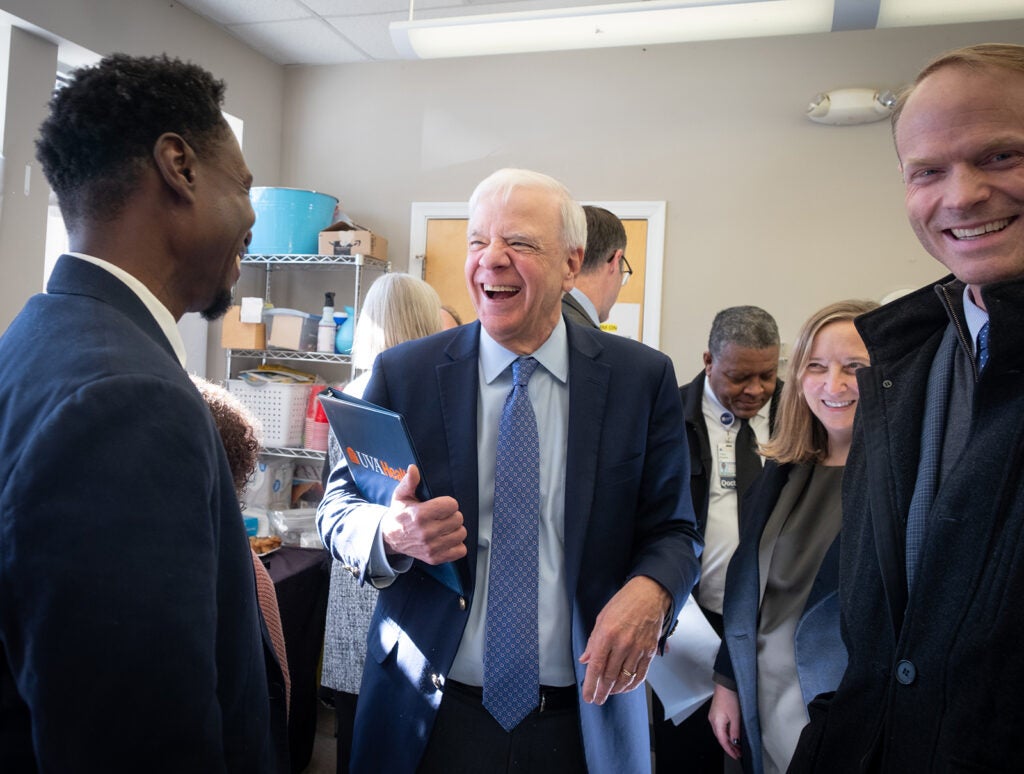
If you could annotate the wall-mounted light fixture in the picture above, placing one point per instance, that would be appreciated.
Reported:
(648, 22)
(843, 107)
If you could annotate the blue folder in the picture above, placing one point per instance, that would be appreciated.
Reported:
(378, 450)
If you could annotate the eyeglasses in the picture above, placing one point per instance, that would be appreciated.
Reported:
(626, 270)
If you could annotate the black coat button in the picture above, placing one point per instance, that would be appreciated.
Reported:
(906, 672)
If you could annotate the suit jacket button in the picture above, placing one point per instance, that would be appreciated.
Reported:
(462, 603)
(906, 672)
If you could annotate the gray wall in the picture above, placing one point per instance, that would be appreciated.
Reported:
(32, 64)
(146, 27)
(763, 206)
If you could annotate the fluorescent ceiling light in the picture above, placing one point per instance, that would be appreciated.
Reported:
(621, 24)
(649, 22)
(914, 13)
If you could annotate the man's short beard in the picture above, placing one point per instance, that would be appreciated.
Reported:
(218, 307)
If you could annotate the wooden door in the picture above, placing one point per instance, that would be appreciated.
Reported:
(627, 316)
(444, 259)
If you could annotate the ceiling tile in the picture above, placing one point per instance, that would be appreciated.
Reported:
(245, 11)
(303, 41)
(370, 33)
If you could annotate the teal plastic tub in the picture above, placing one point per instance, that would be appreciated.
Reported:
(289, 220)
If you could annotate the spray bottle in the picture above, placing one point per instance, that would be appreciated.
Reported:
(327, 329)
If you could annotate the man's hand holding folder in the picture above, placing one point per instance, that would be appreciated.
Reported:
(382, 460)
(430, 531)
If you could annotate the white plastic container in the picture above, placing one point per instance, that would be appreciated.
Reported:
(270, 485)
(281, 409)
(295, 526)
(258, 517)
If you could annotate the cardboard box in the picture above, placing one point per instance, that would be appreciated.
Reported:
(235, 334)
(291, 329)
(343, 238)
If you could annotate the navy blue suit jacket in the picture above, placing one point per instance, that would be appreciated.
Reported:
(820, 654)
(627, 513)
(129, 631)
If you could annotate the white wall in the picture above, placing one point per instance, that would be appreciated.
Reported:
(763, 206)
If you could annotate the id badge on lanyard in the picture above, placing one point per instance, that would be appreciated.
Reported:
(727, 455)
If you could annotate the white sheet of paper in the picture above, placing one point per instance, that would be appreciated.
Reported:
(252, 310)
(682, 677)
(626, 319)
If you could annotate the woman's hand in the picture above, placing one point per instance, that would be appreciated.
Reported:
(725, 720)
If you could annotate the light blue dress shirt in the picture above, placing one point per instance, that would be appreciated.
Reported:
(975, 317)
(586, 303)
(549, 395)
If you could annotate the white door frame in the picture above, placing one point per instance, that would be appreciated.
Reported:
(652, 212)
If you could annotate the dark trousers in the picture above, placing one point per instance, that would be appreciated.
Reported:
(467, 740)
(691, 746)
(344, 720)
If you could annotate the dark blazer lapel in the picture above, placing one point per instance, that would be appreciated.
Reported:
(887, 436)
(588, 393)
(73, 276)
(745, 577)
(896, 438)
(458, 389)
(693, 413)
(698, 445)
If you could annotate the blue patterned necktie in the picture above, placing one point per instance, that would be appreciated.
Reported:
(983, 347)
(511, 664)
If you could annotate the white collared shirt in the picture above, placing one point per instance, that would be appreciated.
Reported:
(160, 313)
(721, 533)
(549, 395)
